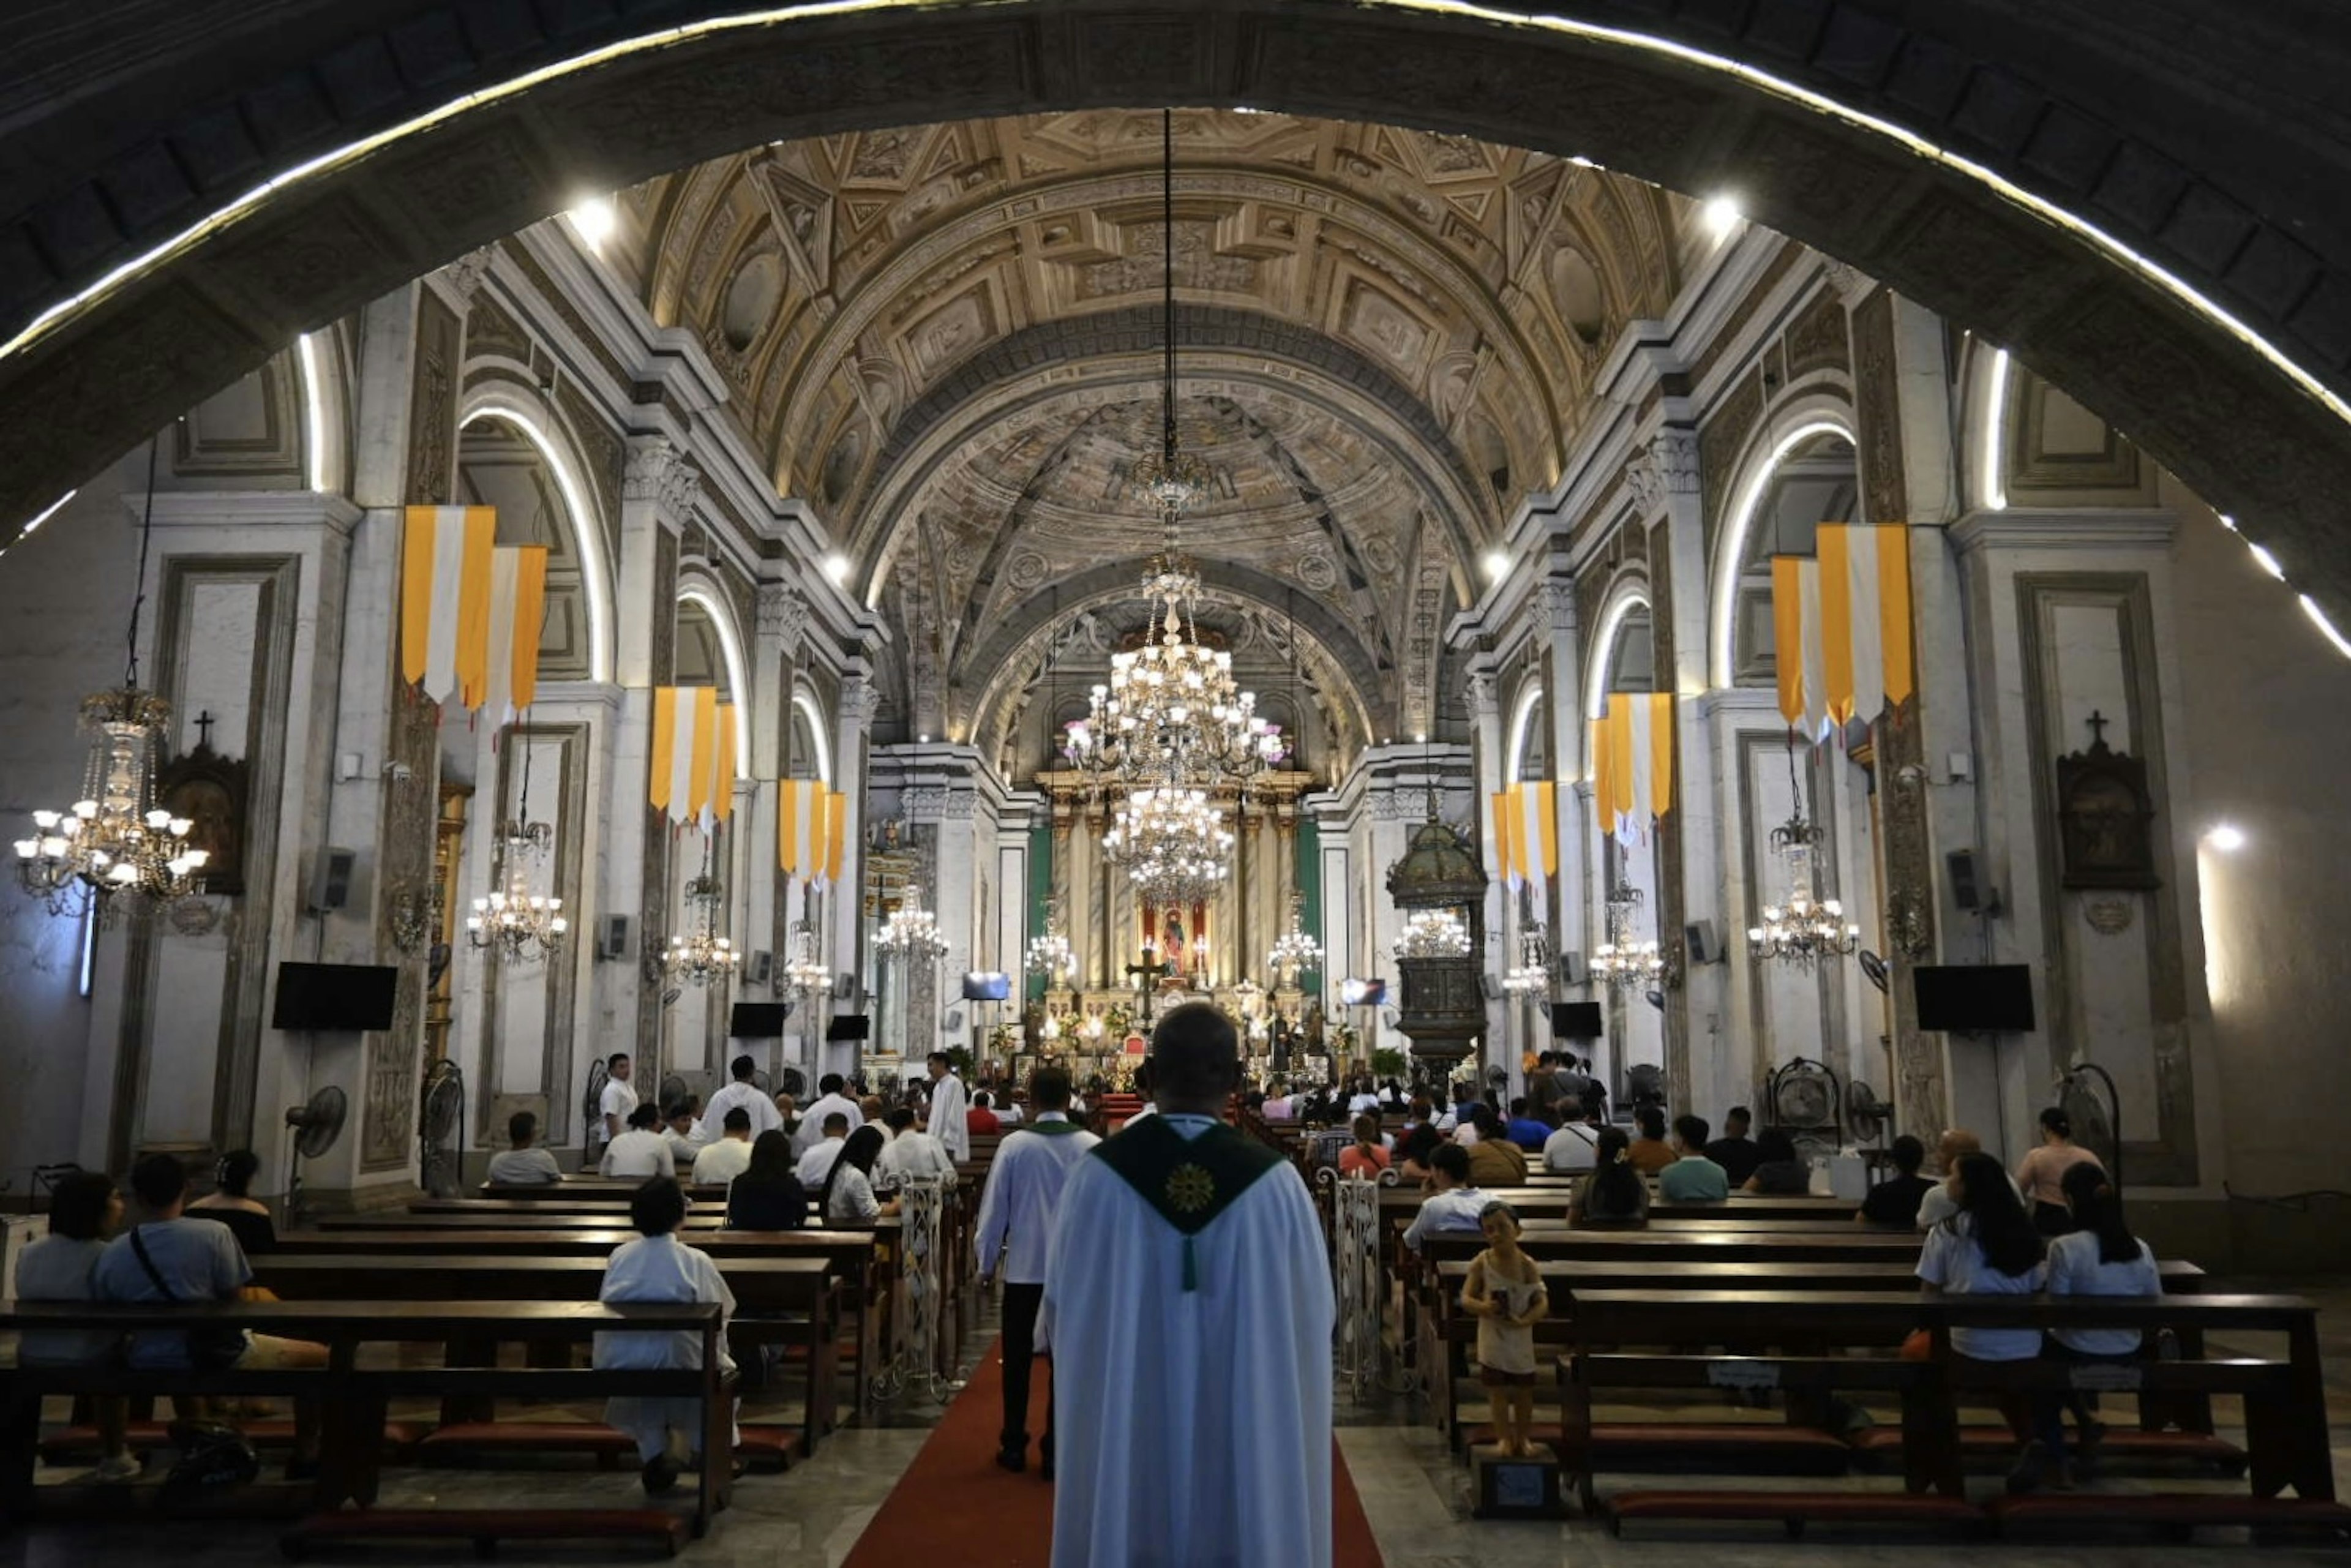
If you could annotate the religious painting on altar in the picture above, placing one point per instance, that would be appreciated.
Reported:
(2105, 815)
(210, 791)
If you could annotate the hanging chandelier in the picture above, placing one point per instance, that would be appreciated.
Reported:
(1295, 951)
(115, 849)
(511, 924)
(804, 975)
(699, 955)
(1048, 955)
(911, 931)
(1625, 959)
(1531, 976)
(1802, 929)
(1433, 934)
(1173, 844)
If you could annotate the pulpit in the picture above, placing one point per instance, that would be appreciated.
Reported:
(1439, 886)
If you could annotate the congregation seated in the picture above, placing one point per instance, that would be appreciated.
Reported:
(522, 1163)
(1692, 1177)
(1008, 1113)
(84, 1210)
(641, 1149)
(231, 1203)
(683, 1129)
(847, 1196)
(1941, 1201)
(657, 1267)
(1411, 1156)
(1494, 1160)
(1735, 1152)
(1368, 1156)
(1455, 1205)
(1527, 1128)
(1989, 1248)
(716, 1165)
(1779, 1172)
(982, 1120)
(2099, 1256)
(910, 1152)
(767, 1195)
(1650, 1152)
(1894, 1200)
(1613, 1195)
(1572, 1150)
(816, 1162)
(2041, 1174)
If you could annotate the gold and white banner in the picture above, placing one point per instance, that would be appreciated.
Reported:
(470, 610)
(693, 772)
(811, 826)
(1841, 627)
(1633, 763)
(1526, 834)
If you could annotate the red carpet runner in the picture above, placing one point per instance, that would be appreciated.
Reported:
(953, 1505)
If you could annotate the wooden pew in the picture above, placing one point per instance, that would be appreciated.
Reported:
(2284, 1400)
(354, 1401)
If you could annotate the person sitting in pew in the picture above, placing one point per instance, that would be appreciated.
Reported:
(1455, 1205)
(2099, 1257)
(1692, 1177)
(642, 1150)
(169, 1258)
(1735, 1152)
(830, 1100)
(847, 1196)
(657, 1267)
(683, 1132)
(767, 1195)
(910, 1152)
(1367, 1157)
(982, 1120)
(1410, 1156)
(1614, 1196)
(742, 1089)
(1527, 1128)
(84, 1210)
(1650, 1152)
(1573, 1149)
(720, 1163)
(1008, 1113)
(1942, 1201)
(2041, 1174)
(1779, 1173)
(1989, 1248)
(231, 1203)
(1494, 1160)
(522, 1163)
(1894, 1200)
(816, 1162)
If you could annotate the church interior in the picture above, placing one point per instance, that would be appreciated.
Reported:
(833, 537)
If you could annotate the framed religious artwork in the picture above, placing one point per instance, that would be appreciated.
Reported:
(2106, 817)
(213, 792)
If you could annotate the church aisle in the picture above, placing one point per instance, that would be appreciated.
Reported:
(953, 1505)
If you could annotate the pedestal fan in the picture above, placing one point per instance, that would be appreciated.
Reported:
(315, 1126)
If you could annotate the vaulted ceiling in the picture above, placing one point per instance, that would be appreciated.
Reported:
(946, 338)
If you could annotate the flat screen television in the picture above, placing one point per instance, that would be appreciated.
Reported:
(1575, 1020)
(986, 986)
(1362, 993)
(757, 1020)
(1974, 998)
(849, 1026)
(334, 996)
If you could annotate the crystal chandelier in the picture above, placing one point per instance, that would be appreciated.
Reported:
(1173, 844)
(1295, 951)
(1803, 928)
(1532, 976)
(1624, 960)
(1048, 955)
(699, 955)
(115, 848)
(911, 931)
(805, 977)
(1433, 934)
(511, 924)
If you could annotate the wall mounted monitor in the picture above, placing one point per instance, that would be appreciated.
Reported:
(1575, 1020)
(334, 996)
(1974, 998)
(986, 986)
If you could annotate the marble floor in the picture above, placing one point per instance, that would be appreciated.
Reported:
(1415, 1496)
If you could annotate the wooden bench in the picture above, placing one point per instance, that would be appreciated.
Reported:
(355, 1400)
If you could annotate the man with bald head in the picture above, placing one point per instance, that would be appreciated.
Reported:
(1940, 1203)
(1187, 1303)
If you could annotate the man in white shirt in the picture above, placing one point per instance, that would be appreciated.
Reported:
(730, 1156)
(949, 1107)
(618, 1105)
(1364, 1101)
(1008, 1112)
(745, 1092)
(1016, 1222)
(1455, 1205)
(657, 1267)
(641, 1151)
(1572, 1149)
(685, 1131)
(831, 1100)
(817, 1164)
(909, 1153)
(1280, 1107)
(1940, 1203)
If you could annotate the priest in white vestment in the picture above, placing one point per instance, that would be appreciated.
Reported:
(949, 1107)
(1188, 1302)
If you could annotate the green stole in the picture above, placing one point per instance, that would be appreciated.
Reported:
(1187, 1181)
(1060, 1129)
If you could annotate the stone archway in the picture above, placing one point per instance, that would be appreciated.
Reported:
(1936, 161)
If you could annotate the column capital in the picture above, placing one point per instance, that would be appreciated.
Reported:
(659, 471)
(1665, 465)
(784, 615)
(1482, 696)
(859, 700)
(1558, 604)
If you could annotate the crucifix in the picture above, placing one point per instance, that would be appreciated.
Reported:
(204, 722)
(2097, 723)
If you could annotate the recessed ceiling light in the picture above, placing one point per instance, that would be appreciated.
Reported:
(1497, 563)
(1722, 215)
(836, 567)
(2226, 838)
(594, 220)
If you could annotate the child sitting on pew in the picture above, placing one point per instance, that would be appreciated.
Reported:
(1505, 1294)
(657, 1267)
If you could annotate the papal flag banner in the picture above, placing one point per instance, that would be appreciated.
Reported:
(803, 828)
(1841, 627)
(1633, 763)
(836, 835)
(444, 601)
(517, 616)
(1526, 834)
(1505, 865)
(692, 774)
